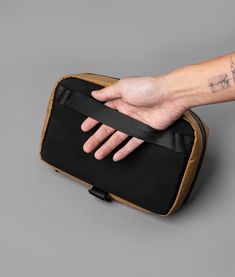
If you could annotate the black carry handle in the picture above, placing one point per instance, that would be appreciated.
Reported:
(91, 107)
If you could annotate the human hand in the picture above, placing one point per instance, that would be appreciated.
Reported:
(143, 98)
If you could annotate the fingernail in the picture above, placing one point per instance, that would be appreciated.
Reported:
(115, 158)
(94, 92)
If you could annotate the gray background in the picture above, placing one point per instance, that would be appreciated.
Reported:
(49, 225)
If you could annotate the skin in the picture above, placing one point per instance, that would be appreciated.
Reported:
(159, 101)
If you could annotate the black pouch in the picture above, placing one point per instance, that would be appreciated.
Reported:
(157, 177)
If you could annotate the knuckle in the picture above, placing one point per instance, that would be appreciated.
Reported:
(119, 136)
(127, 148)
(135, 141)
(106, 130)
(107, 149)
(97, 137)
(133, 144)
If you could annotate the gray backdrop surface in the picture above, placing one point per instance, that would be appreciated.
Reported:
(49, 225)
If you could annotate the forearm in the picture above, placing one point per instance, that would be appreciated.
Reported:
(209, 82)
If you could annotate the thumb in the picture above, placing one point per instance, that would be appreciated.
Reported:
(107, 93)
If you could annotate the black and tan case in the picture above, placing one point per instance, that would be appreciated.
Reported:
(157, 177)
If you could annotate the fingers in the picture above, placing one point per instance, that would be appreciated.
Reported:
(100, 135)
(90, 123)
(111, 95)
(117, 138)
(131, 145)
(107, 93)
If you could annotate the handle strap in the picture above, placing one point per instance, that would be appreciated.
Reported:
(90, 107)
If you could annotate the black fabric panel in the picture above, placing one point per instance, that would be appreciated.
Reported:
(149, 177)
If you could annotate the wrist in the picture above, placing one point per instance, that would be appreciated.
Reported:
(181, 86)
(200, 84)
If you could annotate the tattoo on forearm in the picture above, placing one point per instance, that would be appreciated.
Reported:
(233, 70)
(219, 82)
(223, 81)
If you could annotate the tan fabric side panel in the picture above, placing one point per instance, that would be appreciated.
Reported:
(207, 131)
(191, 166)
(98, 79)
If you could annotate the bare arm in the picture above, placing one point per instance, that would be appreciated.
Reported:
(159, 101)
(209, 82)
